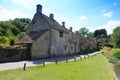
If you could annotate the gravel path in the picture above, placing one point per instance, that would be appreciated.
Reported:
(14, 65)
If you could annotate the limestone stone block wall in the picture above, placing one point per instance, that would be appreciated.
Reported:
(60, 45)
(40, 48)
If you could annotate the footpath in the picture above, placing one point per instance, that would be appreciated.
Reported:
(20, 64)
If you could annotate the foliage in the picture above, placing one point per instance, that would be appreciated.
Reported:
(4, 41)
(9, 30)
(115, 37)
(20, 23)
(112, 54)
(101, 33)
(90, 35)
(116, 53)
(108, 45)
(114, 57)
(83, 31)
(93, 68)
(21, 35)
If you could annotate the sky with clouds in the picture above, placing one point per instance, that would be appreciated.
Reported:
(92, 14)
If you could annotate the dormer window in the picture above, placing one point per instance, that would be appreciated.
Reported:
(60, 34)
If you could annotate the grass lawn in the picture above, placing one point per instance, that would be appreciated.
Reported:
(92, 68)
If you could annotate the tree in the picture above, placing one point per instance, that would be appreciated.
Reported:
(83, 31)
(115, 37)
(4, 41)
(90, 35)
(101, 33)
(20, 23)
(8, 29)
(12, 29)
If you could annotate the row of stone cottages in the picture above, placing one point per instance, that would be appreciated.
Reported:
(49, 38)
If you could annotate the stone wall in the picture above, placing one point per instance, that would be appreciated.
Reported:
(40, 48)
(60, 45)
(7, 55)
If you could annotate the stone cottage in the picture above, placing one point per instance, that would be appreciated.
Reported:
(49, 38)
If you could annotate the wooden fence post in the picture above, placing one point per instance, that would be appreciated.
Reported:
(66, 60)
(43, 64)
(24, 68)
(56, 61)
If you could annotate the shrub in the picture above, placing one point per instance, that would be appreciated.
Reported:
(116, 53)
(108, 45)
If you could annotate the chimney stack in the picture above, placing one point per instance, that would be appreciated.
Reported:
(39, 8)
(51, 16)
(63, 24)
(70, 28)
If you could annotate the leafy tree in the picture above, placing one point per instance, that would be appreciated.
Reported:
(8, 29)
(83, 31)
(21, 23)
(90, 35)
(101, 33)
(115, 37)
(21, 35)
(12, 29)
(4, 41)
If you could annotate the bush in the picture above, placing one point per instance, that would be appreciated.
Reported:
(112, 54)
(116, 53)
(108, 45)
(88, 50)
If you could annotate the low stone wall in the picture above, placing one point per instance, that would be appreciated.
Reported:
(7, 54)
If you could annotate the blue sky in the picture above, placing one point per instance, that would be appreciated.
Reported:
(92, 14)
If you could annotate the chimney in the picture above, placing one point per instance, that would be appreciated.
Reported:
(51, 16)
(63, 24)
(70, 28)
(39, 8)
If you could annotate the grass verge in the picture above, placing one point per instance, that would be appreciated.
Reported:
(113, 56)
(93, 68)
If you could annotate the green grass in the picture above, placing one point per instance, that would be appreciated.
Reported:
(93, 68)
(114, 57)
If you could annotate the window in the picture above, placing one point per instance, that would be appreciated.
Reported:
(71, 48)
(65, 47)
(61, 34)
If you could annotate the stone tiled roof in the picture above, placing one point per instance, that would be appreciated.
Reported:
(36, 34)
(25, 39)
(53, 23)
(32, 36)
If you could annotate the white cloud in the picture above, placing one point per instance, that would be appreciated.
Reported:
(107, 14)
(110, 25)
(82, 18)
(115, 3)
(28, 4)
(6, 14)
